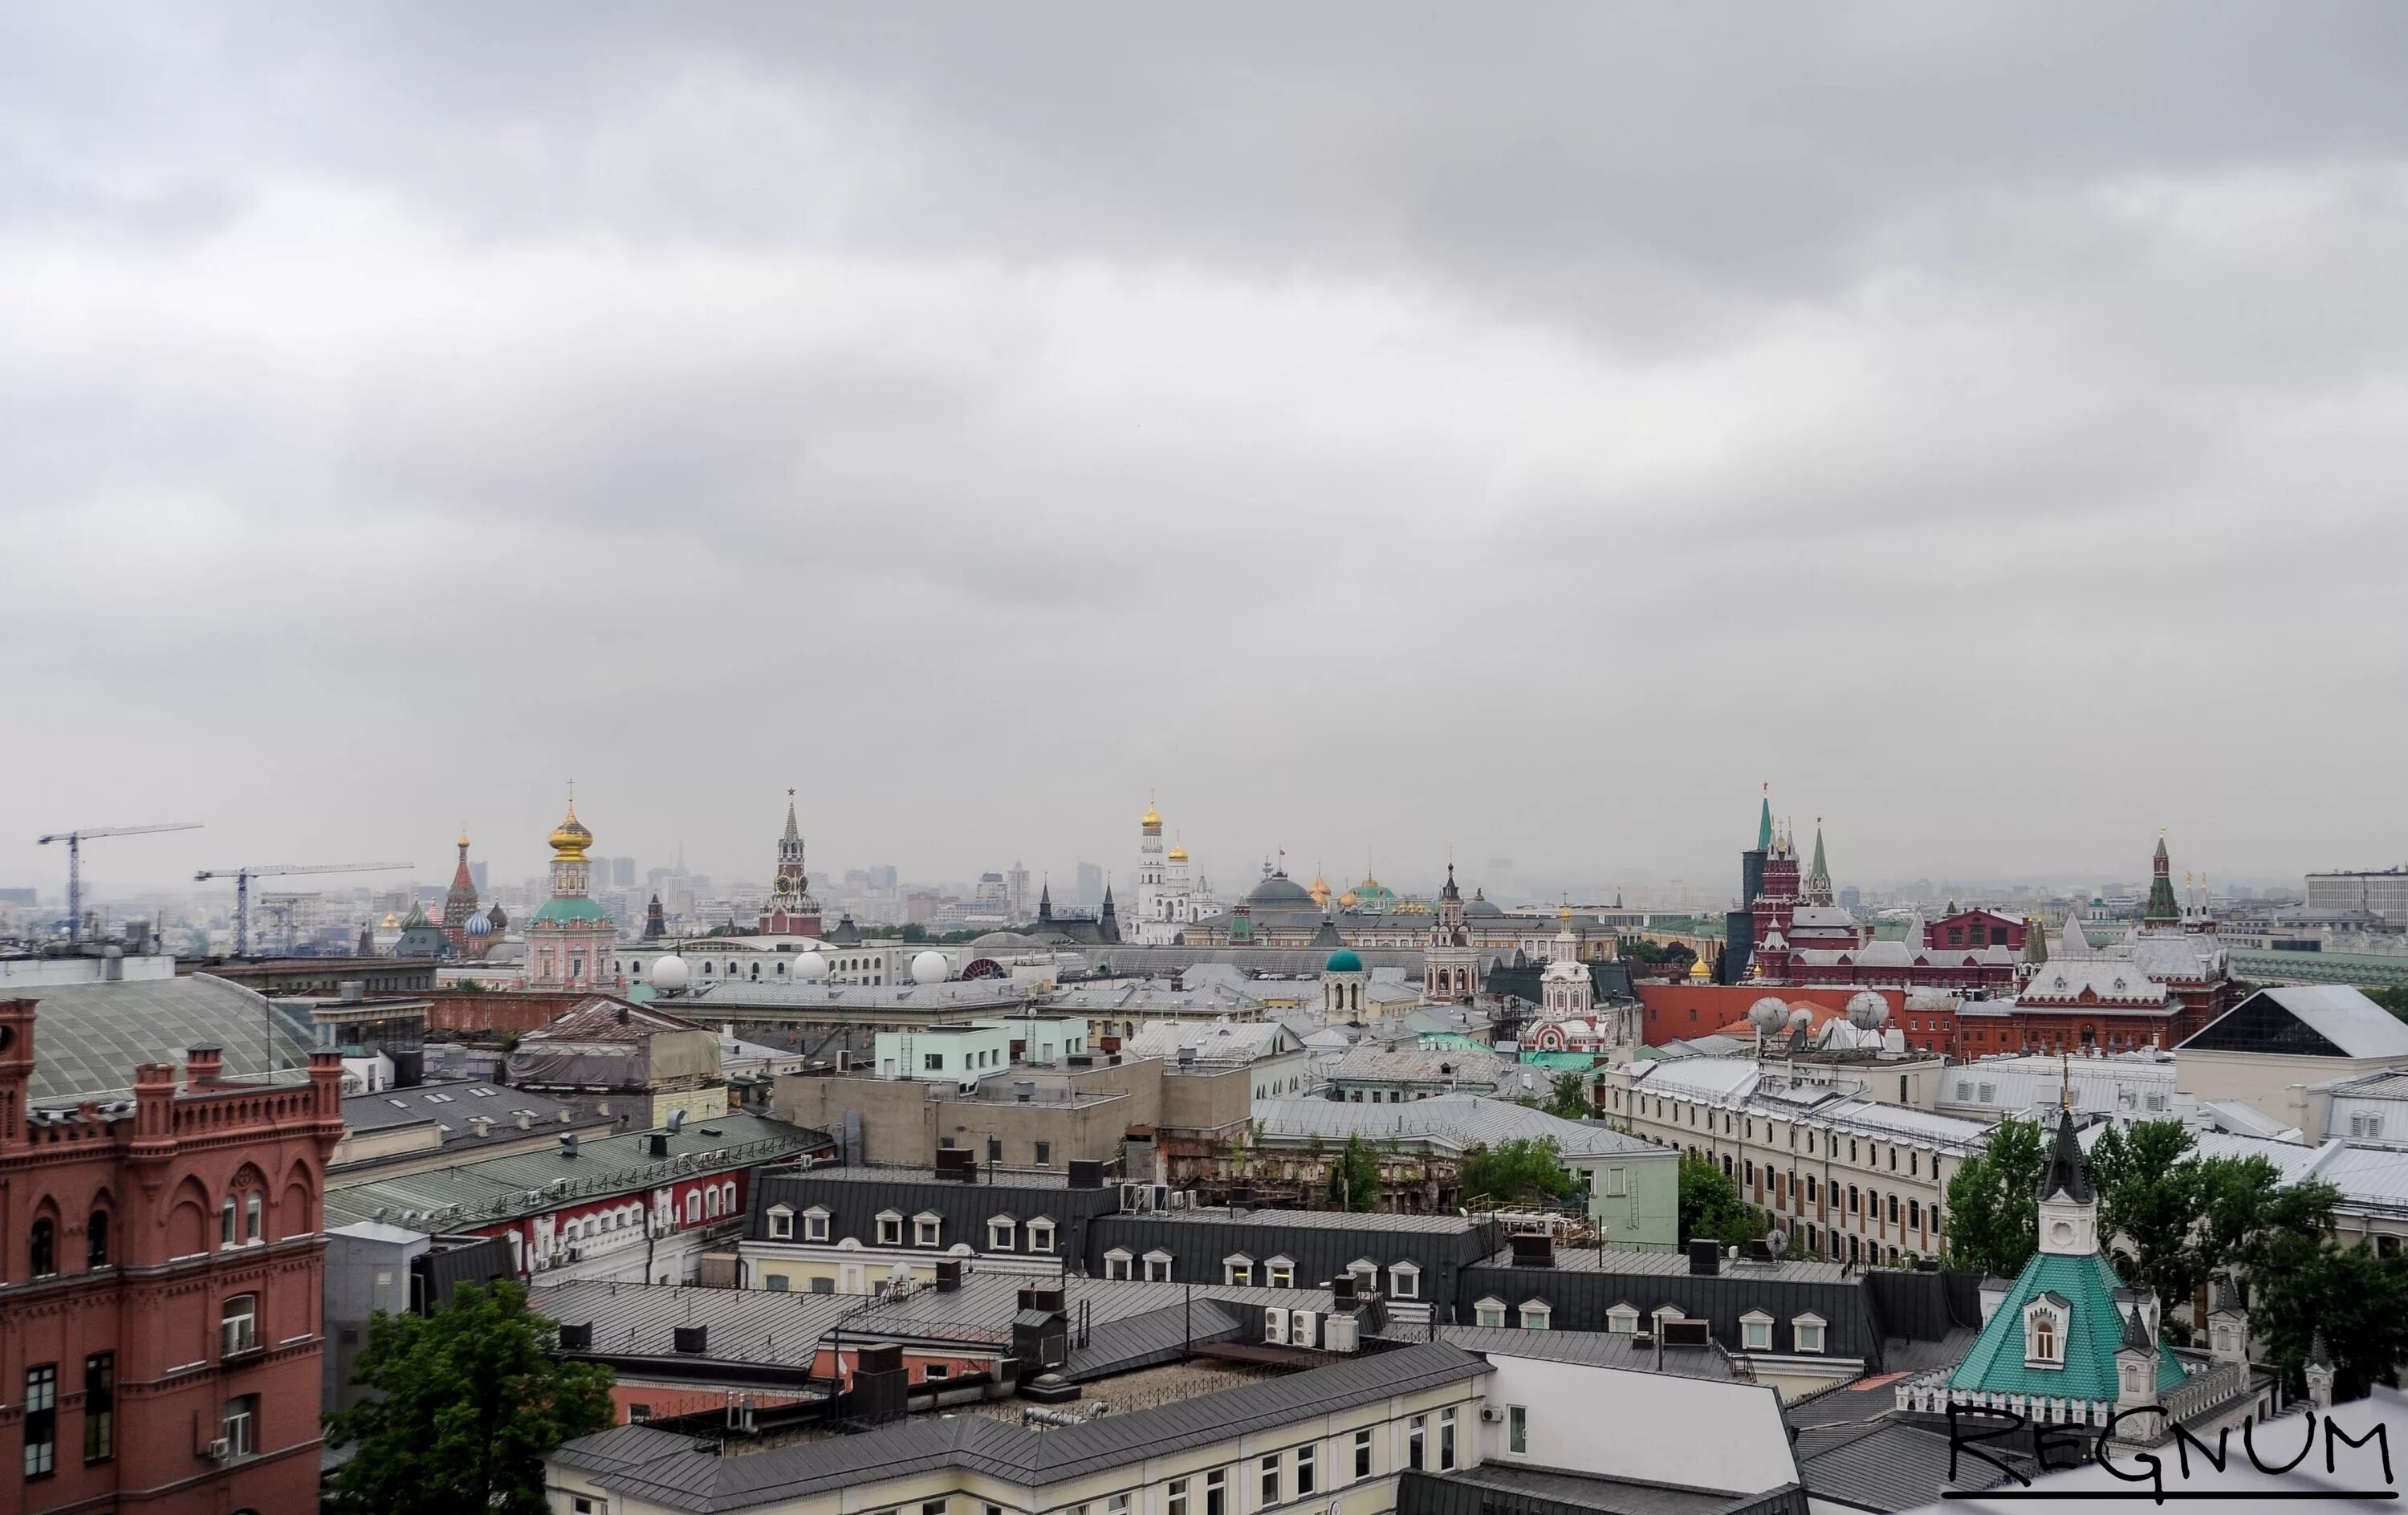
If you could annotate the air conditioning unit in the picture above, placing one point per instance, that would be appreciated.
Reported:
(1490, 1414)
(219, 1451)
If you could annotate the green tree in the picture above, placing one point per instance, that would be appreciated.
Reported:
(1711, 1205)
(2392, 997)
(2149, 1183)
(1355, 1179)
(1570, 1097)
(466, 1403)
(1517, 1171)
(1994, 1203)
(2358, 1298)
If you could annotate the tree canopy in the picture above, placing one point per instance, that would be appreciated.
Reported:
(1994, 1203)
(1569, 1098)
(467, 1402)
(1711, 1205)
(1355, 1179)
(1515, 1172)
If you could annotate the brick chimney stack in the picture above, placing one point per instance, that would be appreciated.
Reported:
(16, 1067)
(203, 1066)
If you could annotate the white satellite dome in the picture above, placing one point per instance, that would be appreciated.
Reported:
(1867, 1009)
(930, 967)
(1767, 1013)
(812, 967)
(1801, 1017)
(669, 972)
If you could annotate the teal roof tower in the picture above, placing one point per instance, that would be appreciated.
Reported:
(1764, 825)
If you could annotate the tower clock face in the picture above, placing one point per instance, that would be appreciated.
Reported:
(785, 885)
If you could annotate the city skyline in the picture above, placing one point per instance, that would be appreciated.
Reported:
(1523, 433)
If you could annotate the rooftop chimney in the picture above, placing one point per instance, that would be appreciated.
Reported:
(203, 1066)
(1705, 1258)
(660, 1145)
(352, 990)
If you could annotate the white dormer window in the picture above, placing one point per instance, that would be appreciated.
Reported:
(1404, 1281)
(1665, 1314)
(815, 1224)
(1237, 1268)
(1365, 1273)
(1280, 1273)
(1488, 1312)
(1622, 1321)
(1536, 1315)
(1157, 1266)
(1117, 1262)
(2045, 1322)
(1001, 1232)
(1807, 1333)
(890, 1228)
(1040, 1236)
(1755, 1331)
(927, 1229)
(781, 1224)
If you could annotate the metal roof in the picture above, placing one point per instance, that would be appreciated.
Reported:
(90, 1037)
(1591, 1348)
(1313, 1220)
(1592, 1492)
(2339, 1020)
(1447, 1123)
(667, 1469)
(470, 1195)
(1892, 1465)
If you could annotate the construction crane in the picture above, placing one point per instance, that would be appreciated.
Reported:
(242, 877)
(75, 840)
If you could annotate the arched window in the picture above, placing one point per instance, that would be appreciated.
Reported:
(96, 1240)
(692, 1207)
(45, 1247)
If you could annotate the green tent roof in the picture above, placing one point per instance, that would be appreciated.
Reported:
(566, 908)
(2096, 1328)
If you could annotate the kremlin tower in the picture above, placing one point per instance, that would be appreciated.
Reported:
(790, 911)
(459, 905)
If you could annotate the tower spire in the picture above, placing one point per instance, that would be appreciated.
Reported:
(1764, 821)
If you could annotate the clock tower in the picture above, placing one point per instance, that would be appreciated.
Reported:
(790, 910)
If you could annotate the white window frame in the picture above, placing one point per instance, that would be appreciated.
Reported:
(1119, 1264)
(1536, 1315)
(782, 1222)
(815, 1224)
(927, 1229)
(1365, 1273)
(890, 1228)
(1157, 1266)
(1404, 1280)
(245, 1308)
(1238, 1271)
(1040, 1234)
(1489, 1311)
(2033, 1313)
(1755, 1332)
(1002, 1233)
(1622, 1320)
(1810, 1332)
(1280, 1273)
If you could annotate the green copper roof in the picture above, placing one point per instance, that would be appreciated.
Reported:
(2096, 1329)
(1343, 961)
(1763, 827)
(566, 907)
(1818, 870)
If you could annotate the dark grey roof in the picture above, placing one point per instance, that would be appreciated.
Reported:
(1321, 1244)
(1592, 1348)
(1591, 1492)
(456, 1102)
(1890, 1466)
(88, 1038)
(855, 1197)
(668, 1471)
(1580, 1296)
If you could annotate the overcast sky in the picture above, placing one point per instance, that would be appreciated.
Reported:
(1372, 428)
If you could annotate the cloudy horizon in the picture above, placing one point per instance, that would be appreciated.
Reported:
(1377, 432)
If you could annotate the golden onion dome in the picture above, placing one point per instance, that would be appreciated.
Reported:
(1149, 821)
(569, 839)
(392, 921)
(1347, 899)
(464, 838)
(1177, 852)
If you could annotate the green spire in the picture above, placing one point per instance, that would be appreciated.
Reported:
(2162, 909)
(1818, 870)
(1763, 827)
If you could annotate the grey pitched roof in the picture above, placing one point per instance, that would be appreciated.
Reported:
(1591, 1348)
(90, 1037)
(1447, 1124)
(668, 1470)
(1594, 1492)
(1890, 1465)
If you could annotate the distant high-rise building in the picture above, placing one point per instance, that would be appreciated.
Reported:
(2384, 894)
(1015, 891)
(623, 873)
(1850, 898)
(1090, 886)
(477, 876)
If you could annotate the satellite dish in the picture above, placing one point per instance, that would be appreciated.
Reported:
(1776, 1242)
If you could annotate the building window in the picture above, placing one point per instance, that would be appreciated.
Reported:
(229, 1222)
(1807, 1331)
(241, 1428)
(1446, 1439)
(1415, 1434)
(1270, 1481)
(41, 1420)
(926, 1230)
(994, 1148)
(2041, 1338)
(1280, 1273)
(1536, 1315)
(1405, 1281)
(1117, 1505)
(1177, 1502)
(1517, 1429)
(1239, 1269)
(43, 1247)
(815, 1225)
(777, 1283)
(238, 1324)
(1216, 1493)
(1117, 1264)
(1361, 1455)
(251, 1232)
(933, 1506)
(1157, 1267)
(95, 1241)
(1308, 1464)
(1045, 1154)
(781, 1224)
(1365, 1275)
(1623, 1321)
(1488, 1312)
(890, 1229)
(1000, 1234)
(100, 1408)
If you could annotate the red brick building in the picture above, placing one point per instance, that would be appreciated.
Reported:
(160, 1286)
